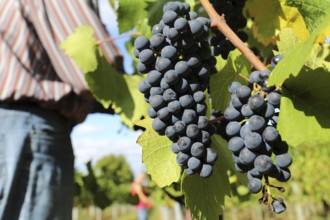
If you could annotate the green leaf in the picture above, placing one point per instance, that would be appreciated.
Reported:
(305, 108)
(299, 54)
(130, 13)
(266, 16)
(312, 11)
(157, 155)
(82, 47)
(287, 41)
(219, 82)
(111, 88)
(205, 196)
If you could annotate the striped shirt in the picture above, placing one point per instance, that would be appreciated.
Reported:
(33, 66)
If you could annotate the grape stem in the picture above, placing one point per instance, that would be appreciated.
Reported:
(222, 118)
(219, 22)
(130, 34)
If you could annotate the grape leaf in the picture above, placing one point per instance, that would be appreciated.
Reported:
(110, 87)
(294, 20)
(130, 13)
(299, 54)
(305, 108)
(205, 196)
(287, 40)
(312, 11)
(157, 155)
(219, 82)
(266, 19)
(81, 46)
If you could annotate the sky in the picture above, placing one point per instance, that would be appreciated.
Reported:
(102, 134)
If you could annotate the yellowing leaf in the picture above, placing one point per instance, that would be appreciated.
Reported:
(157, 155)
(266, 19)
(293, 19)
(82, 47)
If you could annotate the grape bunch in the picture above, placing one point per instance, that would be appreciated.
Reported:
(253, 137)
(233, 11)
(178, 62)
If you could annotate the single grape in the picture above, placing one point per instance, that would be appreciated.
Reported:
(255, 185)
(151, 112)
(256, 103)
(186, 101)
(233, 128)
(246, 111)
(164, 114)
(210, 156)
(246, 156)
(236, 102)
(180, 24)
(263, 164)
(194, 163)
(192, 131)
(184, 144)
(163, 84)
(174, 106)
(253, 141)
(141, 43)
(156, 91)
(199, 96)
(192, 15)
(274, 98)
(283, 160)
(278, 206)
(144, 86)
(244, 130)
(173, 35)
(157, 42)
(157, 102)
(257, 123)
(233, 87)
(169, 17)
(236, 144)
(182, 68)
(169, 52)
(255, 77)
(179, 127)
(146, 56)
(174, 147)
(158, 125)
(201, 109)
(170, 132)
(203, 122)
(206, 170)
(189, 116)
(163, 64)
(243, 92)
(169, 95)
(206, 137)
(276, 59)
(197, 149)
(285, 175)
(196, 27)
(154, 77)
(231, 114)
(270, 134)
(193, 61)
(182, 158)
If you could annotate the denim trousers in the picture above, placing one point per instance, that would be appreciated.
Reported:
(36, 164)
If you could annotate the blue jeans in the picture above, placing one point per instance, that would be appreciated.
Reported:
(36, 164)
(142, 213)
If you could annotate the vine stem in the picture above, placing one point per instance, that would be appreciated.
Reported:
(217, 119)
(220, 23)
(118, 37)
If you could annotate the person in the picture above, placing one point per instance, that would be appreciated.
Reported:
(43, 94)
(144, 202)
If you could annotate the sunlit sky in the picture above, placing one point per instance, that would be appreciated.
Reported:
(101, 134)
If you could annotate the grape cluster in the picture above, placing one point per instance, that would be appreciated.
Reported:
(178, 62)
(253, 137)
(233, 11)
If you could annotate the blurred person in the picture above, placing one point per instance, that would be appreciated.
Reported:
(43, 94)
(137, 188)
